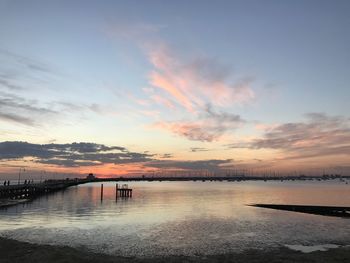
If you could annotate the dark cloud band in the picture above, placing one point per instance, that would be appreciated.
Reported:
(72, 154)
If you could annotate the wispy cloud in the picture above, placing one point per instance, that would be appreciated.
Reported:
(166, 156)
(12, 117)
(210, 125)
(6, 82)
(24, 62)
(31, 112)
(212, 165)
(19, 110)
(198, 149)
(18, 104)
(193, 83)
(19, 73)
(168, 103)
(319, 135)
(185, 85)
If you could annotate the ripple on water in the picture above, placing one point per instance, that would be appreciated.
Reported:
(171, 219)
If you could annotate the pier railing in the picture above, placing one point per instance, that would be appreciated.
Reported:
(27, 191)
(31, 190)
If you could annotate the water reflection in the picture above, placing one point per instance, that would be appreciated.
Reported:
(179, 217)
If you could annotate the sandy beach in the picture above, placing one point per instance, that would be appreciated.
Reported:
(12, 251)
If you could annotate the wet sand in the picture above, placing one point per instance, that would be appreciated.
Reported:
(12, 251)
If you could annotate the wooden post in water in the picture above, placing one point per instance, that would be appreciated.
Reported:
(101, 192)
(116, 191)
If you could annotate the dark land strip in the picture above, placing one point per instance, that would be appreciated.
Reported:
(338, 211)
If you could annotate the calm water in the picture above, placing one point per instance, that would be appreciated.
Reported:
(187, 218)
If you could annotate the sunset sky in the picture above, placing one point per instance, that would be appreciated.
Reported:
(127, 87)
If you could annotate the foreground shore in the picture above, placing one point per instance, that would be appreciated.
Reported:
(12, 251)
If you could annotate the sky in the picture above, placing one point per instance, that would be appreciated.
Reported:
(174, 87)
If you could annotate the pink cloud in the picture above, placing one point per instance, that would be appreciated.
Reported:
(188, 85)
(193, 84)
(191, 130)
(163, 101)
(320, 135)
(169, 85)
(209, 127)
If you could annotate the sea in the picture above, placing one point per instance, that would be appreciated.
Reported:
(181, 218)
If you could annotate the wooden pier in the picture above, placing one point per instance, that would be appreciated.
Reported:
(32, 190)
(28, 191)
(125, 191)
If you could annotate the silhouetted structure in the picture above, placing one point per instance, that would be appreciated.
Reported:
(91, 177)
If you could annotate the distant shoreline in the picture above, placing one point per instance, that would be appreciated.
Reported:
(230, 178)
(12, 251)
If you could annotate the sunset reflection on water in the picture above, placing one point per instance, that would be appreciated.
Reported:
(179, 217)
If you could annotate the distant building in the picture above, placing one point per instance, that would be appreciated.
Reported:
(91, 176)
